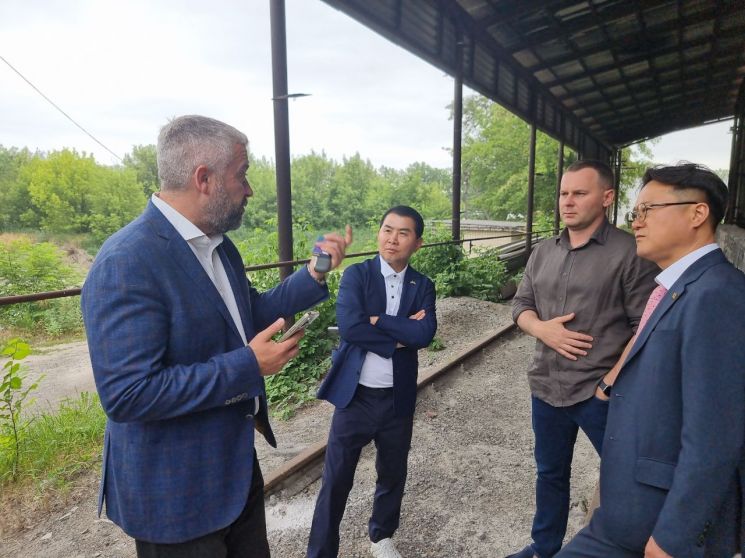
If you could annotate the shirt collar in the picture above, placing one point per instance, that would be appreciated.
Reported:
(186, 229)
(671, 274)
(387, 271)
(600, 235)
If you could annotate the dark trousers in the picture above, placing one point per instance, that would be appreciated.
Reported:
(555, 430)
(591, 542)
(369, 417)
(244, 538)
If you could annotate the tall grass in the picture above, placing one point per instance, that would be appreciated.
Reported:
(57, 447)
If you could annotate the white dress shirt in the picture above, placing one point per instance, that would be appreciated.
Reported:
(377, 372)
(671, 274)
(204, 248)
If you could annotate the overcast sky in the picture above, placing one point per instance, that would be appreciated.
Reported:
(121, 69)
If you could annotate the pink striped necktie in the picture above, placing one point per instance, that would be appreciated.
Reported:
(654, 299)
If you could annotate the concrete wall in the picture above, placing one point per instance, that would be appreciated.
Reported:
(731, 238)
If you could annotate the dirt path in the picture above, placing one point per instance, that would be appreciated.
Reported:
(66, 371)
(471, 466)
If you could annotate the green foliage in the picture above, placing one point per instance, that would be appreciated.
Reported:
(436, 345)
(25, 268)
(495, 155)
(327, 194)
(65, 192)
(13, 197)
(494, 159)
(480, 275)
(57, 446)
(297, 382)
(13, 394)
(143, 161)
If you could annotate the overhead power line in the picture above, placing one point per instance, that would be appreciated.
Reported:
(59, 109)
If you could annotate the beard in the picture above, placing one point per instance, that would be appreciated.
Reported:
(222, 214)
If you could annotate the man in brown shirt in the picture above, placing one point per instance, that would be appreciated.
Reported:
(581, 297)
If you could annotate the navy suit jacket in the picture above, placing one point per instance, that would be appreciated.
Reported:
(674, 444)
(175, 379)
(362, 294)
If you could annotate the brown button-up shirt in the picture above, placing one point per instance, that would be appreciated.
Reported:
(606, 285)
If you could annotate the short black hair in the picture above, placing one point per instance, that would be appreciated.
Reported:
(690, 176)
(411, 213)
(603, 169)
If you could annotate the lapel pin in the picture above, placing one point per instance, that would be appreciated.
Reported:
(674, 296)
(412, 282)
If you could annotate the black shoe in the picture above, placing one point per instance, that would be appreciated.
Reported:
(526, 552)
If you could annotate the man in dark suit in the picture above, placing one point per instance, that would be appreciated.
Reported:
(180, 344)
(386, 312)
(674, 444)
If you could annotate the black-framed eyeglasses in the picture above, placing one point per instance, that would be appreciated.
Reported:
(639, 213)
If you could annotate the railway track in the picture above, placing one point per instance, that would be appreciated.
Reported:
(297, 469)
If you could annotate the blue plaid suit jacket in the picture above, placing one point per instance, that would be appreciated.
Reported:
(175, 380)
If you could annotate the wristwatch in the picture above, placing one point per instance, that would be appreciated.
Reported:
(605, 388)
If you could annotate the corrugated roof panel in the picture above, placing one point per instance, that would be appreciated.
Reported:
(545, 76)
(506, 84)
(484, 67)
(526, 58)
(610, 76)
(419, 22)
(523, 95)
(629, 53)
(598, 60)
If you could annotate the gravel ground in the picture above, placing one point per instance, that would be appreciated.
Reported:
(471, 474)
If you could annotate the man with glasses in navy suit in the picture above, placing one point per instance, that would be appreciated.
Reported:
(671, 470)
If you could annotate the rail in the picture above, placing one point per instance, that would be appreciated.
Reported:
(511, 252)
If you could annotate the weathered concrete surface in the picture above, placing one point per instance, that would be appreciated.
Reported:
(732, 240)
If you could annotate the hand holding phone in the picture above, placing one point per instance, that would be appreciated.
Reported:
(323, 259)
(302, 323)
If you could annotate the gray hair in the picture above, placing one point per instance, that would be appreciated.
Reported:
(189, 141)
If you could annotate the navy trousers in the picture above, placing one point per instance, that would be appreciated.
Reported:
(555, 430)
(368, 417)
(591, 542)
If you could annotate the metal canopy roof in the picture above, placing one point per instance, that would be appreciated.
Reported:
(596, 73)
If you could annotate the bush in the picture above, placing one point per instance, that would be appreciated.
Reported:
(27, 268)
(297, 382)
(480, 276)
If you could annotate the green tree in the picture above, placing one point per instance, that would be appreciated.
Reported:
(13, 195)
(495, 163)
(261, 212)
(143, 162)
(69, 192)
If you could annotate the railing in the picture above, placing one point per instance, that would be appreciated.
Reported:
(511, 252)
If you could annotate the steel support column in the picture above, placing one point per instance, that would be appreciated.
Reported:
(617, 157)
(729, 216)
(531, 191)
(736, 205)
(457, 136)
(281, 133)
(559, 173)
